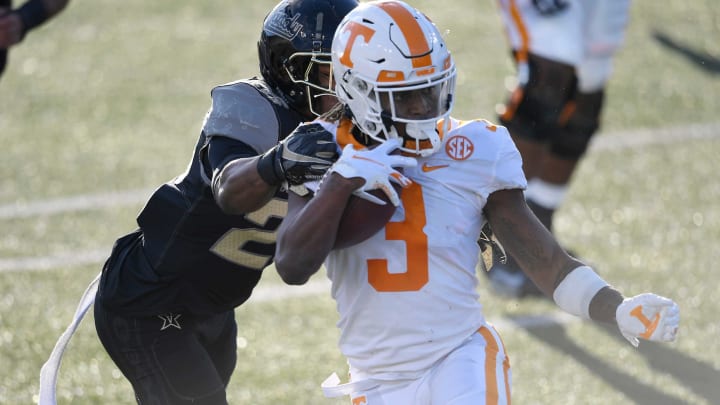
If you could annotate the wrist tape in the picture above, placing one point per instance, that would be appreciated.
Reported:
(577, 289)
(266, 168)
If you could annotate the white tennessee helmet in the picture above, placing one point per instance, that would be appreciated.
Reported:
(391, 66)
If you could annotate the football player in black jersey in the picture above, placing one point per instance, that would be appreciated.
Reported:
(164, 307)
(15, 23)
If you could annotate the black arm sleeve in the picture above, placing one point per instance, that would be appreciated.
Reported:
(221, 150)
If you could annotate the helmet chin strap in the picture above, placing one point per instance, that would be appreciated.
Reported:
(417, 135)
(389, 126)
(423, 132)
(393, 133)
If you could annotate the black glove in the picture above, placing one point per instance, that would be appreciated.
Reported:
(492, 252)
(305, 155)
(550, 7)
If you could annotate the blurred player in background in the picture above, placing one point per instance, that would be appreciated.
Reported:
(165, 304)
(563, 50)
(411, 326)
(16, 23)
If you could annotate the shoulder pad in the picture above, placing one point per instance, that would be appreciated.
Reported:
(239, 111)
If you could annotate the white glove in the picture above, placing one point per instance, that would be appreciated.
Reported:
(648, 316)
(375, 166)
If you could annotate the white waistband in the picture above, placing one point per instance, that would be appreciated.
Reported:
(332, 388)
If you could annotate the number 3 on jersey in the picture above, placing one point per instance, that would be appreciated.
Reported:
(409, 230)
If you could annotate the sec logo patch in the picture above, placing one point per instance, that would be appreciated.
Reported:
(459, 147)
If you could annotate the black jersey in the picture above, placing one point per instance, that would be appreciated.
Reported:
(187, 254)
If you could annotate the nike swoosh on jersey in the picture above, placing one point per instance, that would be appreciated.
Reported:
(428, 168)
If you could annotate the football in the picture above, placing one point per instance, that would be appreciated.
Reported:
(362, 219)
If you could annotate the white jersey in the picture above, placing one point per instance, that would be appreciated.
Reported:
(586, 34)
(407, 296)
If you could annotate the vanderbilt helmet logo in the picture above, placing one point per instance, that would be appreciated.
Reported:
(282, 26)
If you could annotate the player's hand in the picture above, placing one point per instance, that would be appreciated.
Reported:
(376, 167)
(550, 7)
(648, 316)
(305, 155)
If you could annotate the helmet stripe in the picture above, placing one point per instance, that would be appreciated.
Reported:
(413, 33)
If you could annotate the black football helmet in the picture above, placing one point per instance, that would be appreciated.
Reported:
(296, 38)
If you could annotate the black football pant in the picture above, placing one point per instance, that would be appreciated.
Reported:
(171, 359)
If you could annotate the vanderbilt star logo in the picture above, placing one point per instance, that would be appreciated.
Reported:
(428, 168)
(170, 320)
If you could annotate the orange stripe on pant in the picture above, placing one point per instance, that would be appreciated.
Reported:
(522, 30)
(492, 349)
(521, 56)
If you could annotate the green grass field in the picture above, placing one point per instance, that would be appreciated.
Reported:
(105, 102)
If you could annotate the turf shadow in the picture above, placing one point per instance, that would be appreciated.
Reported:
(703, 60)
(554, 335)
(701, 378)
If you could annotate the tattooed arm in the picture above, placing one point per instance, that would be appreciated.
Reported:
(540, 256)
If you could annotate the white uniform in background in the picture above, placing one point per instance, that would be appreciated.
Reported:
(585, 34)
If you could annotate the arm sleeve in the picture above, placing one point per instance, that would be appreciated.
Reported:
(221, 150)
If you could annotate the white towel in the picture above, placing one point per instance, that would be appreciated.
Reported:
(332, 388)
(49, 370)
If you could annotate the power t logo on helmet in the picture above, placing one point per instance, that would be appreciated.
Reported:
(392, 68)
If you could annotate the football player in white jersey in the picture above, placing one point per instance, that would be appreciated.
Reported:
(411, 325)
(563, 50)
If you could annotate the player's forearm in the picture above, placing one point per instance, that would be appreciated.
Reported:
(575, 287)
(238, 189)
(303, 244)
(308, 233)
(527, 240)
